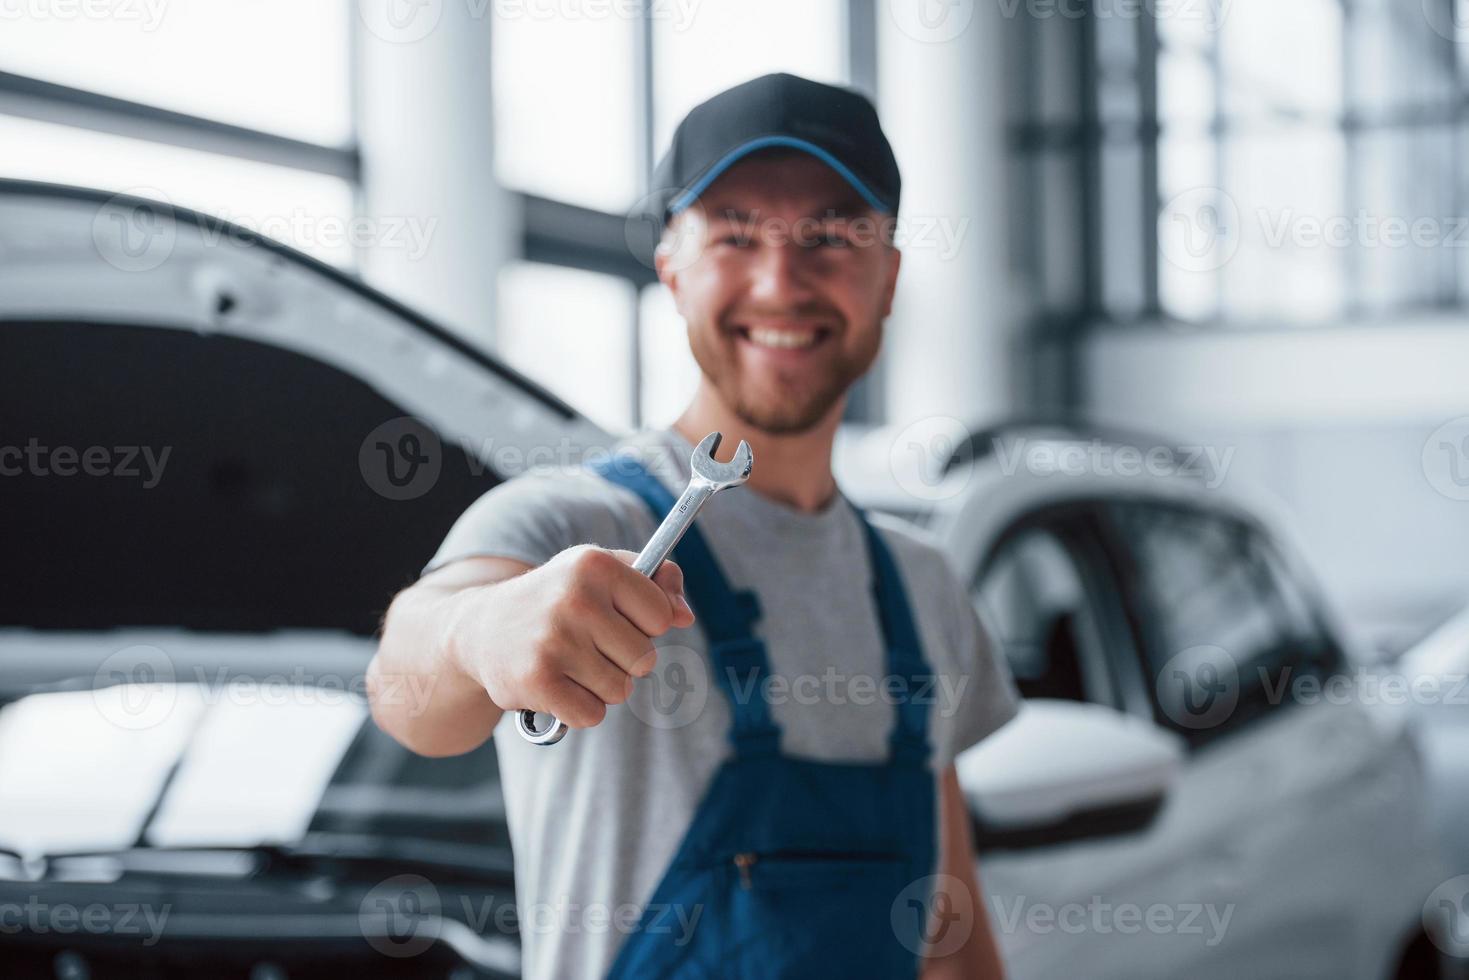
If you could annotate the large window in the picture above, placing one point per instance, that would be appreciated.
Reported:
(278, 66)
(1249, 162)
(244, 109)
(571, 330)
(586, 99)
(238, 108)
(566, 106)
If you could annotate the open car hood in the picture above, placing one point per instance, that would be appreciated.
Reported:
(204, 428)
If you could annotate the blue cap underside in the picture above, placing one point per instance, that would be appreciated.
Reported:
(765, 142)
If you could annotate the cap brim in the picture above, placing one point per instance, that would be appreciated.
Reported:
(690, 194)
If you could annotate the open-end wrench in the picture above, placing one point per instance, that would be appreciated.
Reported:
(709, 477)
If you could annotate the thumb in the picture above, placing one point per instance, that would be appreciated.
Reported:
(670, 577)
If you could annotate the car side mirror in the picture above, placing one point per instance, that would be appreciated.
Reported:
(1064, 771)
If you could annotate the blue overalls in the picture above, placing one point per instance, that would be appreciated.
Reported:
(795, 867)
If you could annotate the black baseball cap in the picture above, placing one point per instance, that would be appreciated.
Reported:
(836, 125)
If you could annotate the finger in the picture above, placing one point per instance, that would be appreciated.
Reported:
(670, 577)
(642, 601)
(602, 677)
(574, 704)
(625, 645)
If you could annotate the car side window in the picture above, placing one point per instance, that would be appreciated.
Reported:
(1032, 595)
(1224, 628)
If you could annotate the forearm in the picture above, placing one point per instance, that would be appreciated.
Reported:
(417, 691)
(970, 952)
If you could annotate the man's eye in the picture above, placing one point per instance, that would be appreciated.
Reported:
(835, 239)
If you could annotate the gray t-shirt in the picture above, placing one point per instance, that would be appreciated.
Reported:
(595, 820)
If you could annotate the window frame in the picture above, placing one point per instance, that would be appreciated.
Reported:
(1089, 133)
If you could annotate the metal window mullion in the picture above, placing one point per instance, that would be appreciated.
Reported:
(1089, 155)
(1089, 174)
(1217, 126)
(643, 96)
(360, 203)
(861, 28)
(1352, 180)
(1451, 286)
(32, 98)
(1149, 136)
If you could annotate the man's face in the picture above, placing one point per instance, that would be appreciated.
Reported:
(784, 276)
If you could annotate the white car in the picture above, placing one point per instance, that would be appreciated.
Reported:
(1186, 682)
(221, 459)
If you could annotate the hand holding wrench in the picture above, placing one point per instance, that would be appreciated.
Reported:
(709, 477)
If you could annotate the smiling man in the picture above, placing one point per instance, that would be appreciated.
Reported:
(774, 794)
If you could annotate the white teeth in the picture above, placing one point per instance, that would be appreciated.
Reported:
(787, 339)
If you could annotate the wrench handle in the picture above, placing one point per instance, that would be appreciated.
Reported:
(671, 531)
(658, 548)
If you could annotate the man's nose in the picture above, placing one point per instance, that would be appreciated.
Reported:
(782, 272)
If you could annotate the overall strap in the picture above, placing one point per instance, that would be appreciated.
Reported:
(909, 739)
(737, 656)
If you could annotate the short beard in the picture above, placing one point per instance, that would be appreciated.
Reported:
(788, 417)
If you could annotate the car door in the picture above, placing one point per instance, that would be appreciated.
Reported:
(1123, 905)
(1296, 811)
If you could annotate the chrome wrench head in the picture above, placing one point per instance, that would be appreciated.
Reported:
(709, 476)
(721, 476)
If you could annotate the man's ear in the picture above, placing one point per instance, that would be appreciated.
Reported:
(890, 286)
(666, 269)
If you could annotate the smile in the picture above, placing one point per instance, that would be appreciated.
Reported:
(783, 339)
